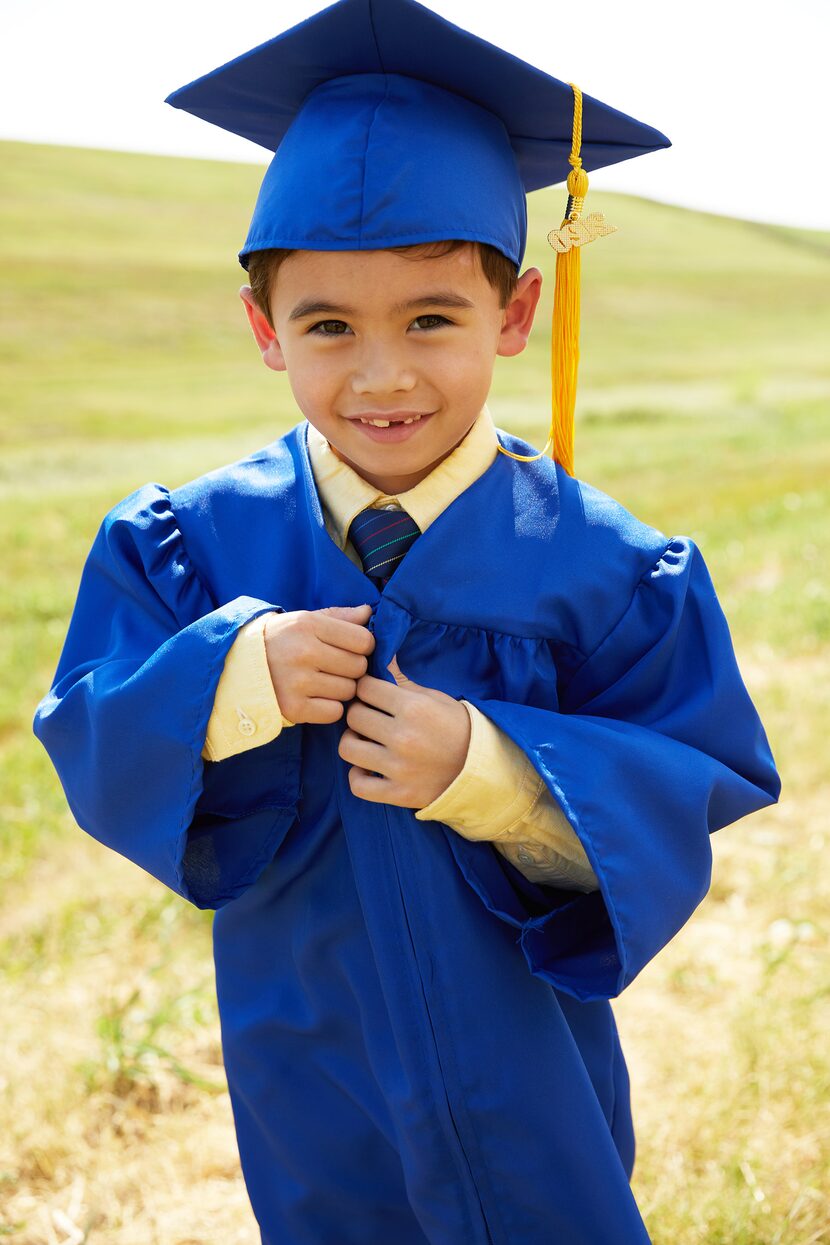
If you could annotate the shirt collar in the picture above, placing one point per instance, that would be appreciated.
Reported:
(344, 493)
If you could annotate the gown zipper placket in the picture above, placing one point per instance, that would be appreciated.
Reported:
(489, 1238)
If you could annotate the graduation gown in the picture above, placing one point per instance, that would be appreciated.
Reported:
(418, 1040)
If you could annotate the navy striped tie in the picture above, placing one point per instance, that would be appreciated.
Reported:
(381, 538)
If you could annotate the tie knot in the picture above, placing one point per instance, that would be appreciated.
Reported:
(381, 538)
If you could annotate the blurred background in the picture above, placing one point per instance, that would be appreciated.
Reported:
(703, 395)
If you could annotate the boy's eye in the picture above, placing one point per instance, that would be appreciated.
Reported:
(439, 321)
(336, 328)
(322, 328)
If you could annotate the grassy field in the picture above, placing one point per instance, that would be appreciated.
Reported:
(703, 406)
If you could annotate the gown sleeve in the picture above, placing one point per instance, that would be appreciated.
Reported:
(655, 745)
(125, 720)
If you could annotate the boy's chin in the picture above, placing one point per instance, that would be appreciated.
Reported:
(412, 459)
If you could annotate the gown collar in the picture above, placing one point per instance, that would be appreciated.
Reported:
(449, 525)
(344, 492)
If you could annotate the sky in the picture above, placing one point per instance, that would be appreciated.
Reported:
(739, 88)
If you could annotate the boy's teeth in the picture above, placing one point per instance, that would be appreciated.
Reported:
(384, 423)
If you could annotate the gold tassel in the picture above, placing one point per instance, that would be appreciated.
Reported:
(568, 241)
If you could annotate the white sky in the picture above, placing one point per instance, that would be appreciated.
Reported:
(739, 88)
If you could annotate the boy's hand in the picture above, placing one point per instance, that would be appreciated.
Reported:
(316, 657)
(415, 737)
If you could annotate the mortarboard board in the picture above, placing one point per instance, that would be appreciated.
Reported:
(390, 126)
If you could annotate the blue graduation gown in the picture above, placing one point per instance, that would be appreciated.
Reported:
(418, 1040)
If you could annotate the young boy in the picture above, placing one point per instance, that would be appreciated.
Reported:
(439, 730)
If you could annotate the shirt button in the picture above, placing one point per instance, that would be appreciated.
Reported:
(245, 725)
(525, 856)
(391, 506)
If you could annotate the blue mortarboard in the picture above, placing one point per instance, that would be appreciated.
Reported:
(390, 126)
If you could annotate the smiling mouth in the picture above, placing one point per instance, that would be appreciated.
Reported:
(391, 430)
(385, 423)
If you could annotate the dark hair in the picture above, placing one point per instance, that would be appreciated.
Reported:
(263, 267)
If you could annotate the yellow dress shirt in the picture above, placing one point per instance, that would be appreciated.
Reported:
(498, 795)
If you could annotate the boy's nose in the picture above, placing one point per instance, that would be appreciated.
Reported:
(381, 371)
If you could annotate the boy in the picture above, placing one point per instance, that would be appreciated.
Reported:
(258, 697)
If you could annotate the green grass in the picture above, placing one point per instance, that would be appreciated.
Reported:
(126, 357)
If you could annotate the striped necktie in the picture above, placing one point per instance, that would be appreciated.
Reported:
(381, 538)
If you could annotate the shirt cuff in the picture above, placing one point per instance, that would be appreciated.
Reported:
(500, 796)
(246, 713)
(495, 790)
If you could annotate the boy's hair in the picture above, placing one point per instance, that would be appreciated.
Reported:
(264, 265)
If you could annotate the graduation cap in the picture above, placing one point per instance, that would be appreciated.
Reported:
(392, 126)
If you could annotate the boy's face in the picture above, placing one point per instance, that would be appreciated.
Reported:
(375, 334)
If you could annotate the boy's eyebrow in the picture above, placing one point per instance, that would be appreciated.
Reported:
(441, 298)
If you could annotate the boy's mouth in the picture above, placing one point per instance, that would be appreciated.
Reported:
(393, 427)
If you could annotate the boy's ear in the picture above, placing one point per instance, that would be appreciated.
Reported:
(265, 336)
(519, 312)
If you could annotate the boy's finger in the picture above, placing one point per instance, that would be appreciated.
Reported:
(370, 785)
(366, 750)
(345, 611)
(369, 722)
(396, 672)
(321, 709)
(379, 692)
(335, 684)
(343, 627)
(337, 659)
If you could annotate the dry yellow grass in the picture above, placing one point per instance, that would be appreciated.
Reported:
(142, 1160)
